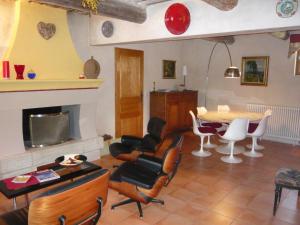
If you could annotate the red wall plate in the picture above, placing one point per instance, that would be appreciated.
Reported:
(177, 18)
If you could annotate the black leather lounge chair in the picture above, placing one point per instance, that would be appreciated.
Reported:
(131, 147)
(142, 180)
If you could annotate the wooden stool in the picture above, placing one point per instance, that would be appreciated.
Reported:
(285, 178)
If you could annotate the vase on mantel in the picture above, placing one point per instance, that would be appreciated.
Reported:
(20, 71)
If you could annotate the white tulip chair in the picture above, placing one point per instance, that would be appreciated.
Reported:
(202, 111)
(236, 131)
(202, 132)
(256, 132)
(252, 126)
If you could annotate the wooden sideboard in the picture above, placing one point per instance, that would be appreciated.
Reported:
(173, 107)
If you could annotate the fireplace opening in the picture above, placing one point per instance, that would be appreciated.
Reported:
(50, 125)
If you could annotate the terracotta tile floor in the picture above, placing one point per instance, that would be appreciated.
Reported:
(210, 192)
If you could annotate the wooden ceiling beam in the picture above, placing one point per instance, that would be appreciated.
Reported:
(224, 5)
(227, 39)
(112, 8)
(150, 2)
(71, 5)
(122, 10)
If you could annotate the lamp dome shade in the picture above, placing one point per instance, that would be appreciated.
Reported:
(232, 72)
(177, 18)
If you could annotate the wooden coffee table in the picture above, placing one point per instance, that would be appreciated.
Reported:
(66, 173)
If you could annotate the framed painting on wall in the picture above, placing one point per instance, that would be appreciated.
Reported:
(169, 68)
(297, 63)
(255, 70)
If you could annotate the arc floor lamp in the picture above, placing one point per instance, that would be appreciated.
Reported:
(230, 72)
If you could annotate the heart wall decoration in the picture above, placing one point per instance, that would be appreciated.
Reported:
(46, 30)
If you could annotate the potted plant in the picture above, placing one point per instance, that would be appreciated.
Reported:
(91, 4)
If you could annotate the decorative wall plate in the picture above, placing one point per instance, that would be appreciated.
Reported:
(107, 29)
(286, 8)
(177, 18)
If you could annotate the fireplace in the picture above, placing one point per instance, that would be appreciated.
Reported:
(45, 126)
(15, 155)
(50, 125)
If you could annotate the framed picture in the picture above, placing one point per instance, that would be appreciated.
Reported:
(169, 68)
(255, 70)
(297, 63)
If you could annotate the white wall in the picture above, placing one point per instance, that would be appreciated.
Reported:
(282, 88)
(247, 17)
(154, 53)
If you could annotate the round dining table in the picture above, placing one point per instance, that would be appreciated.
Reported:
(227, 117)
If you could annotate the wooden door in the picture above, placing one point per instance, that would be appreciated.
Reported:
(129, 67)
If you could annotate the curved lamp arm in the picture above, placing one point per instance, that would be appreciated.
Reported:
(208, 66)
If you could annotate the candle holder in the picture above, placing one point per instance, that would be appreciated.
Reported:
(20, 71)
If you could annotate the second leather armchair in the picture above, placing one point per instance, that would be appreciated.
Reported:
(131, 147)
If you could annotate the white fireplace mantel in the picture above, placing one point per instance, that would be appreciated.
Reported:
(38, 85)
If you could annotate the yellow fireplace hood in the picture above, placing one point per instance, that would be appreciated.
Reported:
(52, 59)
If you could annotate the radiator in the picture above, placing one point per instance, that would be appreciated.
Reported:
(283, 125)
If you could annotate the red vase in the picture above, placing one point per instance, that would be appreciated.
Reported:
(20, 71)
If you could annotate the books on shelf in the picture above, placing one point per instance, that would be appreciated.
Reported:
(46, 175)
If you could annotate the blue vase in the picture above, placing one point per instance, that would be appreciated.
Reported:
(31, 75)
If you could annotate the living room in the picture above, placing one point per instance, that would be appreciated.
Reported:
(58, 63)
